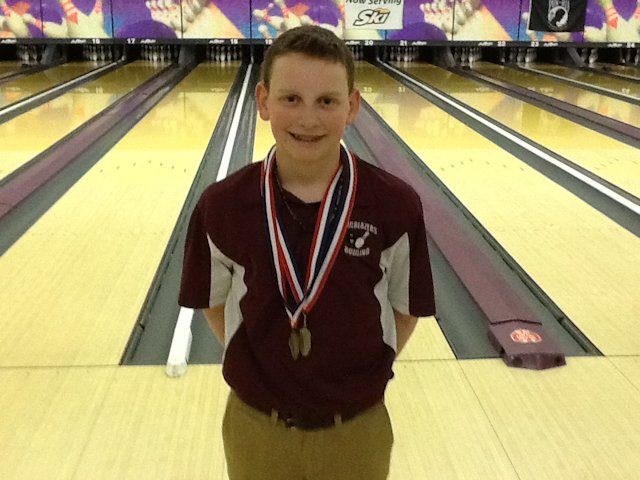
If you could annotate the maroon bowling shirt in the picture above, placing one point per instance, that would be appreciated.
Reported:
(382, 265)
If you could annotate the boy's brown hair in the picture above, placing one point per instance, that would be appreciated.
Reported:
(311, 40)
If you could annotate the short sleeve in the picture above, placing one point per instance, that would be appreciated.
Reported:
(206, 272)
(410, 281)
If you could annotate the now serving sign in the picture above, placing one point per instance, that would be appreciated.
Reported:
(374, 14)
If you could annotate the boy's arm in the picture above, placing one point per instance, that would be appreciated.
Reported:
(405, 325)
(215, 318)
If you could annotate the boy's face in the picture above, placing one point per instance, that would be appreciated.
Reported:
(309, 106)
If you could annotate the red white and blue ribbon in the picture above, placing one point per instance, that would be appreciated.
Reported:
(300, 292)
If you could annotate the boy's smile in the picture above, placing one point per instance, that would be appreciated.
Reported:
(308, 105)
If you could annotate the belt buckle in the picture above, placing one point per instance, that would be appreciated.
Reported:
(299, 424)
(290, 423)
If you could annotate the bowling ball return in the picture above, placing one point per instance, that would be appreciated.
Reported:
(525, 344)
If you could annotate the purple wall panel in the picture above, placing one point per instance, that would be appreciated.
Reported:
(147, 19)
(459, 20)
(186, 19)
(487, 20)
(216, 18)
(21, 19)
(77, 18)
(424, 20)
(238, 15)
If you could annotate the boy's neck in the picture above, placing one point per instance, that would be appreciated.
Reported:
(308, 182)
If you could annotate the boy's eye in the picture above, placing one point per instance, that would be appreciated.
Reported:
(290, 98)
(327, 102)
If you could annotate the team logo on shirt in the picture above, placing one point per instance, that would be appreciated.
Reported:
(356, 244)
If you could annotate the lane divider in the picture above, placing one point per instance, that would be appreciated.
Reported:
(52, 92)
(587, 86)
(178, 360)
(635, 208)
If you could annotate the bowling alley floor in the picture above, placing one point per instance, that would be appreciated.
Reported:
(592, 78)
(614, 108)
(9, 68)
(73, 285)
(25, 87)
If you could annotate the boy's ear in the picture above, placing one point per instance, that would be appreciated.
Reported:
(354, 106)
(261, 100)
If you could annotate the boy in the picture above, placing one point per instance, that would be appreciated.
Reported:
(311, 268)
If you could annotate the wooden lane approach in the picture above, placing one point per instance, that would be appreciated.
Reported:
(452, 420)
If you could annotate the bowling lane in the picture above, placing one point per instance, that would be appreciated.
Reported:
(27, 135)
(609, 107)
(608, 158)
(592, 78)
(623, 70)
(22, 88)
(9, 68)
(585, 262)
(73, 286)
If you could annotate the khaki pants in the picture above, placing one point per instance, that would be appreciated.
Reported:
(256, 448)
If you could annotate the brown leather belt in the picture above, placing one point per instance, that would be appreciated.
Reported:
(311, 423)
(302, 423)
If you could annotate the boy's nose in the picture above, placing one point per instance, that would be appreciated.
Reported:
(308, 117)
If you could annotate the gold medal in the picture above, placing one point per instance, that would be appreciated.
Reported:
(294, 344)
(305, 341)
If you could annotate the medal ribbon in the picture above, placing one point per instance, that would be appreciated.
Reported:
(298, 292)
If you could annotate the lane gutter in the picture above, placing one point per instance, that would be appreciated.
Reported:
(165, 333)
(182, 340)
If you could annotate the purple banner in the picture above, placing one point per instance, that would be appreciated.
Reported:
(21, 19)
(77, 18)
(443, 20)
(186, 19)
(473, 20)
